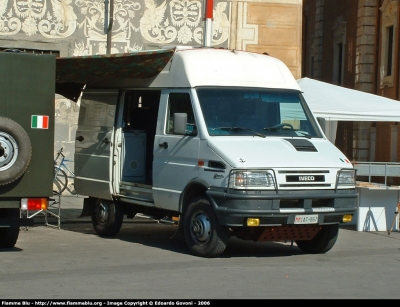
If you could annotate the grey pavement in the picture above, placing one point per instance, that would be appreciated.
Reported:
(71, 207)
(142, 262)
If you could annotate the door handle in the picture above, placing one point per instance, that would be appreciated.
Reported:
(79, 138)
(163, 145)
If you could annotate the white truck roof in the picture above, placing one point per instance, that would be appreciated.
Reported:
(223, 67)
(172, 68)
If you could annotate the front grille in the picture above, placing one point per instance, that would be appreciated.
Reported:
(308, 185)
(303, 172)
(304, 178)
(309, 203)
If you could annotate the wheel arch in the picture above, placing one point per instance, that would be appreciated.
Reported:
(89, 203)
(196, 187)
(88, 206)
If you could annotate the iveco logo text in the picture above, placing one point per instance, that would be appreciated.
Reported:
(306, 178)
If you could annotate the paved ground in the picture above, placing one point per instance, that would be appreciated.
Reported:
(71, 207)
(142, 262)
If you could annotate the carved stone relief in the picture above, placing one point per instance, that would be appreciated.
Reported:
(135, 23)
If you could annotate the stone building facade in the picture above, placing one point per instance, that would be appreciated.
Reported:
(79, 27)
(355, 44)
(68, 28)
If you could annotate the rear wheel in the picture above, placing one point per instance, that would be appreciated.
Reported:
(204, 235)
(9, 235)
(322, 242)
(107, 218)
(60, 180)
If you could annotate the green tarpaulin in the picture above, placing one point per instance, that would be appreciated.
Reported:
(73, 73)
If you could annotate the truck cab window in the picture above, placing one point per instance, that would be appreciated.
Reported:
(180, 103)
(262, 112)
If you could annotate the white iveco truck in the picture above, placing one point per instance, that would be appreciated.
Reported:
(220, 141)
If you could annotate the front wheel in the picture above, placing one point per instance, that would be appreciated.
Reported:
(107, 218)
(322, 242)
(204, 235)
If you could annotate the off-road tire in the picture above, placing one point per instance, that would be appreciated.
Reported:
(322, 242)
(107, 218)
(15, 151)
(204, 236)
(9, 235)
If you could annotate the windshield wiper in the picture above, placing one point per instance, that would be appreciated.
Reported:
(305, 134)
(242, 129)
(283, 126)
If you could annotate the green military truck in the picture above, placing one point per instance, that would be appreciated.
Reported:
(27, 91)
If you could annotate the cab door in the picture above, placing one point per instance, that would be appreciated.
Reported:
(175, 156)
(93, 143)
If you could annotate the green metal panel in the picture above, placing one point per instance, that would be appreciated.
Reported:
(27, 87)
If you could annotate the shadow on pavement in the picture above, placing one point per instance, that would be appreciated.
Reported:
(159, 235)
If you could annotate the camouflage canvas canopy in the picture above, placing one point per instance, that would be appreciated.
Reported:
(73, 73)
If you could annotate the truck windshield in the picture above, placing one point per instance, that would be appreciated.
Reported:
(257, 112)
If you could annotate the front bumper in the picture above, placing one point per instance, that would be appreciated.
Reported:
(276, 209)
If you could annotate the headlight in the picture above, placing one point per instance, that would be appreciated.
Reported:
(248, 179)
(346, 178)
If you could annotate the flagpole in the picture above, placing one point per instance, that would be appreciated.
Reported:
(110, 24)
(208, 23)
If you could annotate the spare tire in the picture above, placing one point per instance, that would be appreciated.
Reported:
(15, 150)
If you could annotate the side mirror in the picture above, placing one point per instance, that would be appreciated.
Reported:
(180, 123)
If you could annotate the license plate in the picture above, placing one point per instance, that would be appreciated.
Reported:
(306, 219)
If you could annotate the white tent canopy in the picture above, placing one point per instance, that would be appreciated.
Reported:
(336, 103)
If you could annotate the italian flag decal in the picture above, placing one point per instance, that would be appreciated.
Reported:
(40, 122)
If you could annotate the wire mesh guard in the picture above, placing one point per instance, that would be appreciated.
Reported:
(52, 215)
